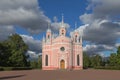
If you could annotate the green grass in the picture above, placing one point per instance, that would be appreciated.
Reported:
(108, 67)
(14, 68)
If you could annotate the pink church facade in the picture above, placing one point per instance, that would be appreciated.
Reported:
(62, 52)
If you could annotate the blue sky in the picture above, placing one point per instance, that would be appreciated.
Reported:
(71, 10)
(97, 20)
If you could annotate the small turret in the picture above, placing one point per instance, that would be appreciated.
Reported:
(48, 34)
(43, 39)
(62, 31)
(76, 34)
(81, 39)
(62, 23)
(53, 36)
(48, 30)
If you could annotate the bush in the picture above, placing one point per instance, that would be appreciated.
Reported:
(21, 68)
(1, 69)
(7, 68)
(14, 68)
(108, 67)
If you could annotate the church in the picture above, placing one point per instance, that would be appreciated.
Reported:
(62, 52)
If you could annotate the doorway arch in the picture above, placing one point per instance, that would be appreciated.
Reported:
(62, 64)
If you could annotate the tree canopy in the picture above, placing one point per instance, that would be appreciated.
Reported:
(112, 62)
(12, 52)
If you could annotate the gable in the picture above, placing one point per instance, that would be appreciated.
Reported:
(61, 39)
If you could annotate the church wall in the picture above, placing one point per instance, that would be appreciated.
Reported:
(77, 50)
(62, 48)
(47, 51)
(59, 55)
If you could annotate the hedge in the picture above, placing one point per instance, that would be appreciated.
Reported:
(14, 68)
(21, 68)
(108, 67)
(1, 69)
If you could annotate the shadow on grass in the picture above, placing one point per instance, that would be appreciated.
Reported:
(10, 77)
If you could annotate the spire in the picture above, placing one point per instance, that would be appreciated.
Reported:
(48, 30)
(48, 26)
(81, 37)
(75, 26)
(43, 38)
(62, 21)
(53, 36)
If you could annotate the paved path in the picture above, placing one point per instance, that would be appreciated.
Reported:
(60, 75)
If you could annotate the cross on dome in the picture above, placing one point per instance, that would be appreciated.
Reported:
(76, 27)
(48, 30)
(62, 24)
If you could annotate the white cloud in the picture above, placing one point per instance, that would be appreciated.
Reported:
(102, 55)
(103, 9)
(56, 25)
(55, 19)
(34, 45)
(104, 28)
(93, 49)
(81, 29)
(117, 45)
(6, 31)
(32, 55)
(25, 13)
(86, 18)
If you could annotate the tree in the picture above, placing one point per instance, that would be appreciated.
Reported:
(34, 64)
(86, 60)
(118, 56)
(118, 50)
(39, 62)
(18, 50)
(12, 52)
(4, 54)
(96, 60)
(113, 59)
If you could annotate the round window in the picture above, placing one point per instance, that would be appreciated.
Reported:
(62, 49)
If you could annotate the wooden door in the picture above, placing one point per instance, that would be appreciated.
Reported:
(62, 64)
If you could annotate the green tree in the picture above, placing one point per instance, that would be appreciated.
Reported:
(113, 59)
(118, 50)
(34, 64)
(118, 56)
(39, 62)
(96, 60)
(18, 50)
(4, 54)
(86, 60)
(12, 52)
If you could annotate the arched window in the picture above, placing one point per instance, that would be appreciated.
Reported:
(46, 60)
(62, 32)
(79, 39)
(78, 60)
(48, 36)
(76, 38)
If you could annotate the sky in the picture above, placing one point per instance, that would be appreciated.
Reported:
(97, 20)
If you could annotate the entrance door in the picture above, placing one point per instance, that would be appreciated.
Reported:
(62, 64)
